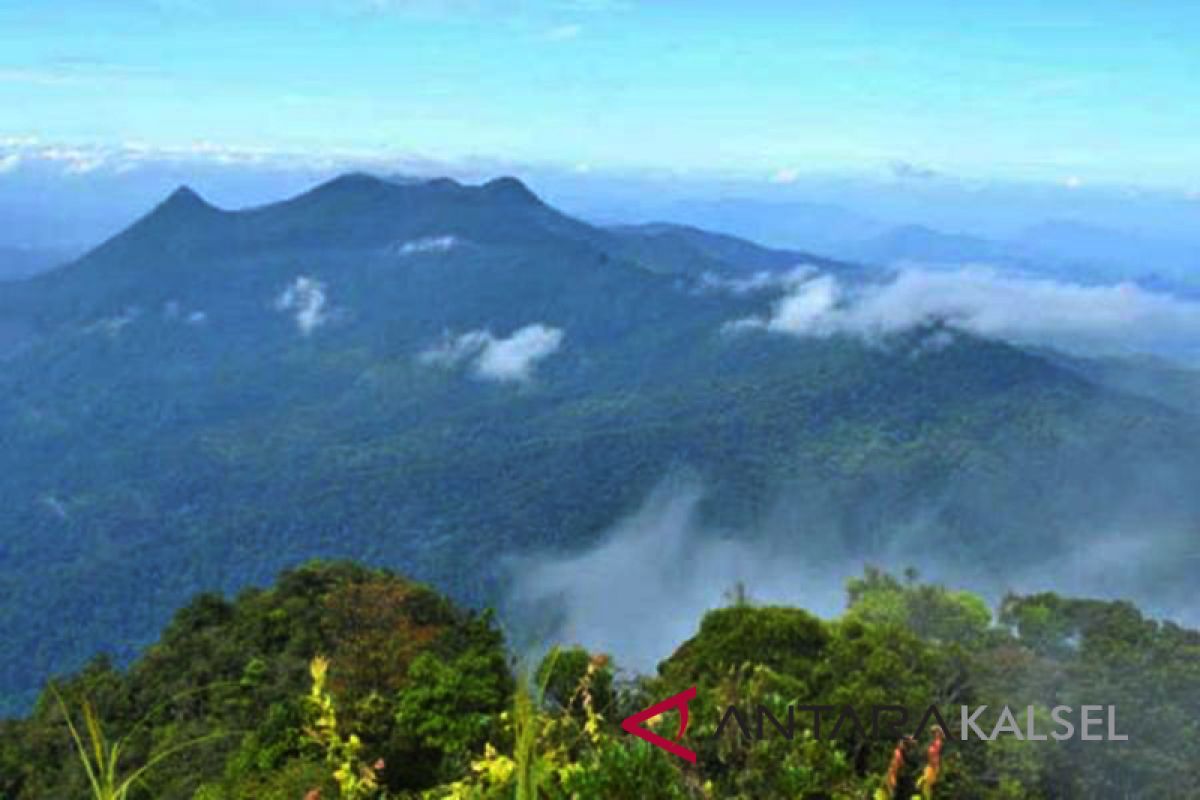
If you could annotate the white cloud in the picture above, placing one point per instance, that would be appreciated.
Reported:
(123, 157)
(9, 162)
(428, 244)
(810, 307)
(454, 350)
(1119, 318)
(671, 569)
(757, 282)
(74, 160)
(510, 359)
(513, 359)
(307, 301)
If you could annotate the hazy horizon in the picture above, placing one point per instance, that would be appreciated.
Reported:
(980, 121)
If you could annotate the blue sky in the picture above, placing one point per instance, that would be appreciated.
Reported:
(1072, 91)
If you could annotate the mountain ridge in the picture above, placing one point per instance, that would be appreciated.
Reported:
(200, 411)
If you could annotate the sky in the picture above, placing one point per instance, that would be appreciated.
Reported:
(1073, 92)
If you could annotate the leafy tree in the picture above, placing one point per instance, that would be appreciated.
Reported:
(449, 720)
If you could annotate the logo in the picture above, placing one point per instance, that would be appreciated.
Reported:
(633, 724)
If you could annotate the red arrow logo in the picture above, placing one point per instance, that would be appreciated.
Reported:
(633, 724)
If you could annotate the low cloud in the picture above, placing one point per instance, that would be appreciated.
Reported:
(754, 283)
(306, 300)
(427, 244)
(504, 359)
(1091, 319)
(643, 589)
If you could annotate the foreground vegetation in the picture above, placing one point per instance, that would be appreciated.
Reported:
(348, 682)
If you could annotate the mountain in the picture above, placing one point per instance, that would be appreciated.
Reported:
(923, 245)
(1063, 249)
(438, 377)
(1105, 248)
(1157, 379)
(821, 227)
(684, 250)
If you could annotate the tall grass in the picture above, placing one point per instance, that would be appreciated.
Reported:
(528, 701)
(101, 758)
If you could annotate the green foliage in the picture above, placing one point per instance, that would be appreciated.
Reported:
(342, 752)
(240, 669)
(103, 759)
(931, 612)
(617, 768)
(451, 709)
(566, 672)
(564, 747)
(785, 639)
(452, 723)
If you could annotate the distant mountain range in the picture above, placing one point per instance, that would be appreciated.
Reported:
(1062, 248)
(435, 376)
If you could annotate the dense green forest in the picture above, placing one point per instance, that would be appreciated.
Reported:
(342, 681)
(167, 428)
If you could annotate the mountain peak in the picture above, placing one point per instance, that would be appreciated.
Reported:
(183, 205)
(185, 198)
(351, 181)
(510, 189)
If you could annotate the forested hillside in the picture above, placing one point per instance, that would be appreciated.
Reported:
(433, 377)
(342, 681)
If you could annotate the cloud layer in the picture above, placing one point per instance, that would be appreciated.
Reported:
(1119, 318)
(510, 359)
